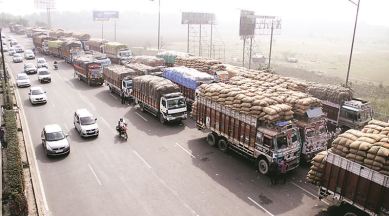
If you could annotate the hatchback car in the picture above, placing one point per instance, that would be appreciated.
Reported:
(19, 49)
(11, 51)
(41, 62)
(37, 95)
(5, 48)
(54, 140)
(44, 75)
(28, 54)
(17, 58)
(22, 80)
(29, 68)
(85, 123)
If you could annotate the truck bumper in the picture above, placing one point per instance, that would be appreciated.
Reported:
(177, 118)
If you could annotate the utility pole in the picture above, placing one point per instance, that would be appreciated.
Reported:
(48, 17)
(102, 30)
(187, 42)
(2, 58)
(271, 45)
(244, 49)
(352, 43)
(115, 29)
(250, 51)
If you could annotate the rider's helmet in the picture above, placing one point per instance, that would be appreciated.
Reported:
(121, 119)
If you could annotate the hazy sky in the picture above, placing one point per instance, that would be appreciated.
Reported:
(371, 11)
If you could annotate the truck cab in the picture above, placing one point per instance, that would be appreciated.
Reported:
(276, 143)
(124, 55)
(127, 86)
(354, 114)
(172, 107)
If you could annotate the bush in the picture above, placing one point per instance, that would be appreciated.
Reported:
(18, 205)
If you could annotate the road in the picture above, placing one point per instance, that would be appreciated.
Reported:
(161, 169)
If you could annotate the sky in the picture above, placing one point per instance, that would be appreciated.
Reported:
(373, 12)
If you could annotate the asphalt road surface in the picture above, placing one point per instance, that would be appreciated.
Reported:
(161, 170)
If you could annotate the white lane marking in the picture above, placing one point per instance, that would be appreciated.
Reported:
(42, 189)
(141, 116)
(142, 159)
(94, 173)
(185, 150)
(108, 125)
(306, 191)
(257, 204)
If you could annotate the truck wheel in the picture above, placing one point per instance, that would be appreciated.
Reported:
(212, 139)
(223, 145)
(263, 166)
(161, 119)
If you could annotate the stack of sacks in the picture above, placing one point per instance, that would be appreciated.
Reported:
(149, 60)
(341, 145)
(252, 102)
(377, 127)
(333, 93)
(199, 63)
(142, 68)
(154, 86)
(317, 169)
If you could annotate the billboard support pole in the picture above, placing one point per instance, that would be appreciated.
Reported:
(244, 47)
(187, 42)
(271, 45)
(115, 29)
(200, 42)
(210, 50)
(102, 30)
(250, 52)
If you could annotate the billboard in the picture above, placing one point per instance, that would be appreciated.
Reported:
(197, 18)
(105, 15)
(44, 4)
(247, 23)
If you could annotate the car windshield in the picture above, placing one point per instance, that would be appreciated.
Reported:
(41, 61)
(17, 55)
(87, 120)
(54, 136)
(43, 72)
(176, 103)
(37, 92)
(22, 77)
(29, 66)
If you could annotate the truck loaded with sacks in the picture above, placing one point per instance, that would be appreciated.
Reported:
(117, 52)
(188, 80)
(118, 78)
(160, 97)
(342, 109)
(306, 110)
(87, 70)
(248, 123)
(355, 171)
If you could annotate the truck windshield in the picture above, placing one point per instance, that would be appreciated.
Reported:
(176, 103)
(285, 140)
(124, 54)
(127, 84)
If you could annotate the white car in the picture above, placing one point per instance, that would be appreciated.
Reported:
(54, 140)
(44, 75)
(28, 54)
(5, 48)
(11, 51)
(37, 95)
(22, 80)
(29, 68)
(41, 62)
(17, 58)
(85, 123)
(19, 49)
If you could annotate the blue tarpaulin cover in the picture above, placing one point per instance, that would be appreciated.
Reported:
(188, 77)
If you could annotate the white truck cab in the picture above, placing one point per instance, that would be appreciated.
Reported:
(173, 107)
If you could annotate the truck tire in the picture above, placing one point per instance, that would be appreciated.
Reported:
(263, 165)
(212, 139)
(161, 119)
(223, 145)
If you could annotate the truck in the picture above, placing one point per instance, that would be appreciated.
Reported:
(119, 79)
(82, 37)
(69, 49)
(342, 109)
(99, 57)
(160, 97)
(313, 132)
(349, 182)
(38, 42)
(188, 80)
(117, 52)
(145, 69)
(95, 44)
(249, 136)
(88, 70)
(55, 47)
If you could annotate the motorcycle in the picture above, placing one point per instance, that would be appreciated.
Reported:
(122, 132)
(55, 66)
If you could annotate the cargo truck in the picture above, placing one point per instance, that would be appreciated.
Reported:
(313, 132)
(95, 44)
(117, 52)
(70, 49)
(352, 114)
(349, 182)
(38, 42)
(160, 97)
(188, 80)
(262, 142)
(88, 71)
(55, 47)
(119, 79)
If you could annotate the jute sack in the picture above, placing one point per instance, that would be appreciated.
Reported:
(348, 136)
(366, 139)
(354, 157)
(355, 144)
(374, 149)
(385, 172)
(364, 146)
(383, 152)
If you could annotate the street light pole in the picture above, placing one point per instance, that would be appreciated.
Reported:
(159, 23)
(2, 58)
(352, 43)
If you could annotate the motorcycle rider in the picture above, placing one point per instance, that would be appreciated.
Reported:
(55, 65)
(121, 126)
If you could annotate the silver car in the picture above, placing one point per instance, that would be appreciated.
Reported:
(54, 140)
(17, 58)
(22, 80)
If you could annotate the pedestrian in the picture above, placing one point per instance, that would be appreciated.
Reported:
(273, 172)
(283, 168)
(2, 140)
(123, 97)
